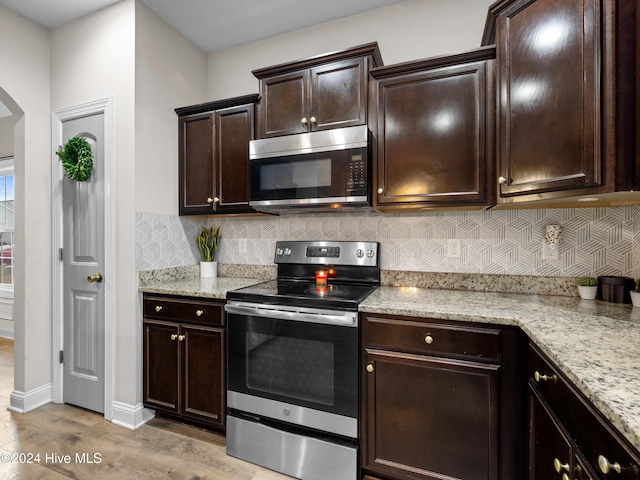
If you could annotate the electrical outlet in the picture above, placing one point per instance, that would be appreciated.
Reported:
(242, 245)
(548, 253)
(453, 248)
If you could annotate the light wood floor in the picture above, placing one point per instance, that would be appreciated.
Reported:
(161, 449)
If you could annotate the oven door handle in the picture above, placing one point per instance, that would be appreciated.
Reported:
(325, 317)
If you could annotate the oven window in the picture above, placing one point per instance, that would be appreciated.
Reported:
(291, 367)
(296, 174)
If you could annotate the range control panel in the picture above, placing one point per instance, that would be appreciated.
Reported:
(327, 252)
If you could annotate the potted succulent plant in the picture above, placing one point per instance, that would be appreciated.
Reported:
(208, 241)
(587, 288)
(635, 294)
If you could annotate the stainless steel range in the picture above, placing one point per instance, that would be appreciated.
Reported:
(293, 360)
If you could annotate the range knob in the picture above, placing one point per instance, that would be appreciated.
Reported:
(370, 253)
(359, 253)
(287, 252)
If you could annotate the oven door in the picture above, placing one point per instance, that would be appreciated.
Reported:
(297, 365)
(320, 178)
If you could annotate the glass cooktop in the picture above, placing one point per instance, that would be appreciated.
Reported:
(311, 294)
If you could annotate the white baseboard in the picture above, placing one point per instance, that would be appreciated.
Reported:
(6, 333)
(23, 402)
(130, 416)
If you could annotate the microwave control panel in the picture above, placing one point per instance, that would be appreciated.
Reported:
(357, 177)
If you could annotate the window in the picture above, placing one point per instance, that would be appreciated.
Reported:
(7, 201)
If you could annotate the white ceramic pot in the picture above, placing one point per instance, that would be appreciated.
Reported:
(587, 293)
(208, 269)
(635, 298)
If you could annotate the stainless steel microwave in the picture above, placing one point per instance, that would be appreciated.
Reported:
(323, 170)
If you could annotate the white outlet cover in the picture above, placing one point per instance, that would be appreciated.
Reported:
(453, 248)
(547, 253)
(242, 245)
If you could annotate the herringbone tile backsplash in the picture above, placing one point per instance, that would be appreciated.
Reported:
(595, 241)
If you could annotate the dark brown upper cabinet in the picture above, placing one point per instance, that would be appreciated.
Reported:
(319, 93)
(566, 97)
(435, 132)
(214, 156)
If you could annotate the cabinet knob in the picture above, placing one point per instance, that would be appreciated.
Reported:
(370, 367)
(209, 200)
(428, 339)
(380, 191)
(303, 121)
(565, 477)
(213, 200)
(199, 313)
(158, 308)
(174, 336)
(502, 180)
(538, 377)
(312, 119)
(606, 467)
(180, 338)
(559, 466)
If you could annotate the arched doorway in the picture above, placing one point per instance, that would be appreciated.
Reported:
(11, 150)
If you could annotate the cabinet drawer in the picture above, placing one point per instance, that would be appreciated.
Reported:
(199, 311)
(592, 433)
(417, 335)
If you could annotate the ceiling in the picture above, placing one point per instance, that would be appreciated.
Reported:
(210, 24)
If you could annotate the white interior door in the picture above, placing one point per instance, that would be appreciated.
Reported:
(83, 260)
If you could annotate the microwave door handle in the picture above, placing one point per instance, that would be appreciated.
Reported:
(348, 319)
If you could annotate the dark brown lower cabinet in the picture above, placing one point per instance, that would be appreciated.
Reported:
(568, 438)
(184, 359)
(441, 400)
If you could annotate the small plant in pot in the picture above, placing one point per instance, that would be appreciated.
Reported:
(587, 288)
(208, 241)
(635, 294)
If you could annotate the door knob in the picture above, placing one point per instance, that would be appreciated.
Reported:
(95, 278)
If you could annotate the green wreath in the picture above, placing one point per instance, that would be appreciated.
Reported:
(77, 159)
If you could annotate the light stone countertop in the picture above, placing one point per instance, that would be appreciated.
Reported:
(595, 344)
(199, 287)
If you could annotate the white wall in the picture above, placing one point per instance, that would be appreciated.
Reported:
(24, 88)
(405, 31)
(93, 58)
(7, 124)
(171, 72)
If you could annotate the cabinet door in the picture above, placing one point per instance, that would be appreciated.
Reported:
(285, 104)
(234, 130)
(549, 96)
(430, 418)
(549, 444)
(432, 137)
(338, 95)
(197, 169)
(161, 366)
(203, 375)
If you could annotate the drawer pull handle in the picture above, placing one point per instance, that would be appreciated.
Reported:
(199, 313)
(370, 367)
(173, 336)
(538, 377)
(158, 308)
(559, 466)
(180, 338)
(428, 339)
(606, 467)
